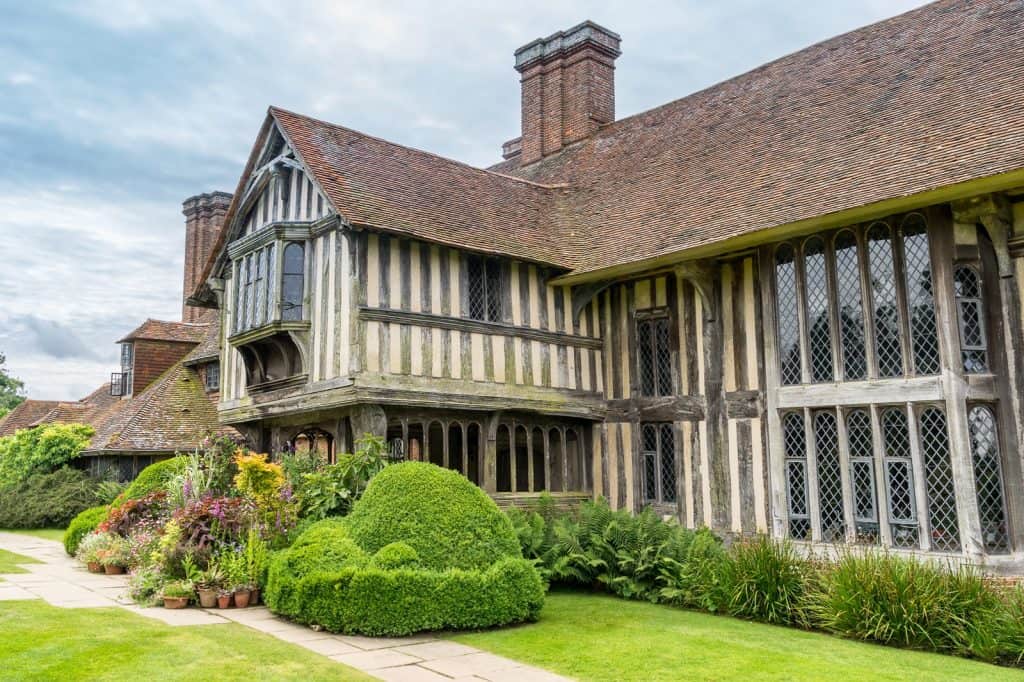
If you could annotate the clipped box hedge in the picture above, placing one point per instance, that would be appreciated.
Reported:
(82, 525)
(424, 549)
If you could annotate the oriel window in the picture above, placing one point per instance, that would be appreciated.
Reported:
(484, 283)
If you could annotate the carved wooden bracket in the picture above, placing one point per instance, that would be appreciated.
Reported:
(584, 294)
(702, 275)
(992, 211)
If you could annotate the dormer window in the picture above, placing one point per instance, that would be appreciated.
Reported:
(484, 280)
(127, 356)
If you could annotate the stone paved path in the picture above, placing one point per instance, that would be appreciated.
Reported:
(63, 582)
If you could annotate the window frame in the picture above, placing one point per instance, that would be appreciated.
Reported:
(214, 368)
(658, 457)
(490, 288)
(979, 303)
(659, 322)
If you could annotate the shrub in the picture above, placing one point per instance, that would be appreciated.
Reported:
(420, 551)
(153, 478)
(767, 581)
(449, 521)
(258, 479)
(124, 518)
(89, 546)
(40, 450)
(910, 603)
(332, 490)
(83, 524)
(46, 500)
(697, 579)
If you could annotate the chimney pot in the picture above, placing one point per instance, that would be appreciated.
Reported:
(204, 217)
(568, 89)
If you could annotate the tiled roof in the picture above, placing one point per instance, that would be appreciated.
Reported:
(25, 415)
(161, 330)
(924, 100)
(173, 414)
(379, 184)
(209, 348)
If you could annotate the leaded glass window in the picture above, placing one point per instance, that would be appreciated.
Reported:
(830, 483)
(818, 308)
(292, 281)
(483, 281)
(973, 345)
(881, 268)
(943, 526)
(899, 478)
(250, 271)
(851, 308)
(259, 314)
(988, 479)
(920, 295)
(658, 458)
(862, 476)
(787, 315)
(794, 440)
(654, 355)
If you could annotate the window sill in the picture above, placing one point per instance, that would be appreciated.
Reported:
(267, 330)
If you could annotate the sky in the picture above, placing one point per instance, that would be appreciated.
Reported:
(113, 112)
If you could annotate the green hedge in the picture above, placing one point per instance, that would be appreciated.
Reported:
(404, 561)
(82, 525)
(450, 522)
(153, 478)
(47, 500)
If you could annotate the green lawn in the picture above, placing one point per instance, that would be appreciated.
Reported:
(42, 642)
(45, 533)
(9, 562)
(595, 637)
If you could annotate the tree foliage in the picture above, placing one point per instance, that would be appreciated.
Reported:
(12, 391)
(40, 450)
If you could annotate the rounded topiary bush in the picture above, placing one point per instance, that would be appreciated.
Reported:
(423, 549)
(82, 525)
(152, 478)
(450, 522)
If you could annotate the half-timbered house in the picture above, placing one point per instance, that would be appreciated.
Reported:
(789, 303)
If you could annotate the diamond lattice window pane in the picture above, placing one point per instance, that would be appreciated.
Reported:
(667, 456)
(663, 356)
(899, 479)
(920, 301)
(645, 356)
(795, 441)
(988, 480)
(973, 347)
(851, 309)
(862, 476)
(883, 294)
(787, 315)
(942, 519)
(819, 315)
(494, 290)
(830, 483)
(271, 285)
(476, 283)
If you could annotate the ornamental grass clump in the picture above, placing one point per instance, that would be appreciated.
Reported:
(911, 603)
(767, 581)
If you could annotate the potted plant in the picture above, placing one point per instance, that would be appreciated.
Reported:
(208, 585)
(224, 599)
(256, 556)
(114, 555)
(89, 548)
(177, 594)
(236, 576)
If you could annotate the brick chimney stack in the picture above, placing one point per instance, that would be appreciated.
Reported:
(568, 89)
(204, 217)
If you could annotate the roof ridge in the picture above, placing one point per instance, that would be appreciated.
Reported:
(272, 109)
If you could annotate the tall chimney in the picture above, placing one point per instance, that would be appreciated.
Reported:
(204, 217)
(568, 88)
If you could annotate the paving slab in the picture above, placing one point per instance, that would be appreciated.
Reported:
(371, 643)
(374, 660)
(429, 651)
(478, 664)
(331, 646)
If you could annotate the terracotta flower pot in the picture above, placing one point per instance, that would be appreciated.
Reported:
(175, 602)
(242, 598)
(223, 601)
(94, 567)
(110, 569)
(207, 598)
